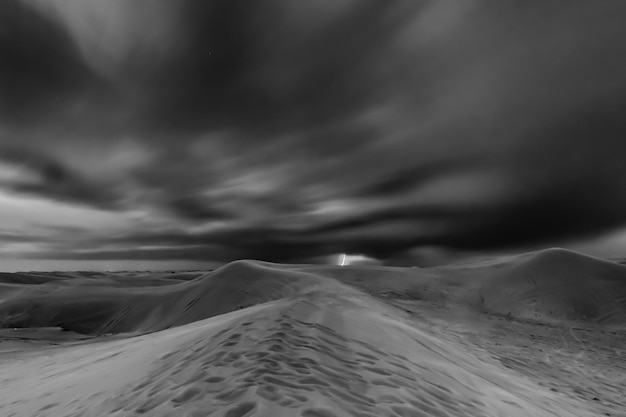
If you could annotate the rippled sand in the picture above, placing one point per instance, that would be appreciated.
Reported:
(258, 339)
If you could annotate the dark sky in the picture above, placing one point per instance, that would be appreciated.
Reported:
(288, 131)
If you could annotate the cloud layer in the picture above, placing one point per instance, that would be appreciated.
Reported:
(223, 129)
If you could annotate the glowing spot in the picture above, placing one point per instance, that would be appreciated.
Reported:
(345, 259)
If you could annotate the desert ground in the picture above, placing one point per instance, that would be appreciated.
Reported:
(538, 334)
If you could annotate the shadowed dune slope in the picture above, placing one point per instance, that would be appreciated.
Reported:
(548, 285)
(106, 308)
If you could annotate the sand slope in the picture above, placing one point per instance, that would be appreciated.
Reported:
(100, 307)
(553, 285)
(260, 339)
(317, 354)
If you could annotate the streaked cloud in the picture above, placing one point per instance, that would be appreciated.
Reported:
(224, 129)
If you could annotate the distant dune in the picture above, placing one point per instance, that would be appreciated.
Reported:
(261, 339)
(552, 285)
(106, 305)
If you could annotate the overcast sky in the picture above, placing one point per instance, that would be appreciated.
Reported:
(196, 132)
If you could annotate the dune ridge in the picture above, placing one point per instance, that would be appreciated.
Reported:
(105, 309)
(316, 354)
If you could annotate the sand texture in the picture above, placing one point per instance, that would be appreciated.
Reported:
(540, 334)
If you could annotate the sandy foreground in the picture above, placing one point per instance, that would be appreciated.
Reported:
(540, 334)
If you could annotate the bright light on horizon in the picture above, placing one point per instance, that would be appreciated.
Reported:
(345, 259)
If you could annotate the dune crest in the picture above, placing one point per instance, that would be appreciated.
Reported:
(555, 285)
(105, 309)
(316, 354)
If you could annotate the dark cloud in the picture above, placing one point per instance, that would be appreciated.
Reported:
(283, 131)
(270, 66)
(38, 174)
(43, 78)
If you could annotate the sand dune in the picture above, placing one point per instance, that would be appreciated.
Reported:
(261, 339)
(553, 285)
(318, 354)
(103, 308)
